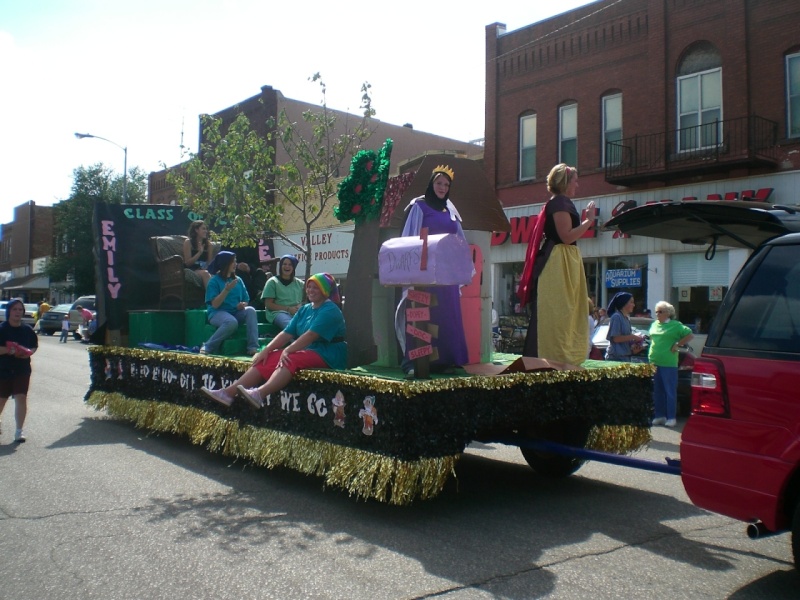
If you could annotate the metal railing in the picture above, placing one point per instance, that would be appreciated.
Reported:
(711, 146)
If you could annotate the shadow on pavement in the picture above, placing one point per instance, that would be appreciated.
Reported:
(453, 535)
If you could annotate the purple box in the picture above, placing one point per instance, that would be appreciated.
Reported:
(449, 261)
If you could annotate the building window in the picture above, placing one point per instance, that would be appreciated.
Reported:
(612, 128)
(527, 147)
(700, 110)
(793, 92)
(568, 135)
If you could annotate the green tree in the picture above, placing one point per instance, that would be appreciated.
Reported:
(240, 189)
(229, 181)
(74, 258)
(309, 179)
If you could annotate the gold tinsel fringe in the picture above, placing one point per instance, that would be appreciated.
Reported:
(618, 439)
(362, 474)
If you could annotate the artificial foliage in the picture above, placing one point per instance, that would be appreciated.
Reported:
(391, 440)
(395, 188)
(360, 194)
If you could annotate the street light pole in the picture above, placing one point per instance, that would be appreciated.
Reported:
(80, 136)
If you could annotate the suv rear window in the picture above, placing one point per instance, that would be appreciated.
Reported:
(767, 315)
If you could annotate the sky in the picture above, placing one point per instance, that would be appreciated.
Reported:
(139, 73)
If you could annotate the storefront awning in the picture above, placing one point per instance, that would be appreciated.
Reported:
(29, 282)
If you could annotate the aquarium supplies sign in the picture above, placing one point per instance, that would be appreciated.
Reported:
(623, 278)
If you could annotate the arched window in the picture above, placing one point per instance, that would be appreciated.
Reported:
(699, 97)
(793, 95)
(568, 134)
(527, 146)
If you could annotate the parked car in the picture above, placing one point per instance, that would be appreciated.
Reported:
(50, 322)
(641, 326)
(31, 311)
(740, 448)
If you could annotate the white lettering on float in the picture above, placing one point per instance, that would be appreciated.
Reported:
(187, 381)
(209, 381)
(317, 406)
(290, 402)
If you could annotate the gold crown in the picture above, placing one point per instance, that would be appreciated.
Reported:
(446, 170)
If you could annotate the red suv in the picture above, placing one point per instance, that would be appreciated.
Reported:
(740, 449)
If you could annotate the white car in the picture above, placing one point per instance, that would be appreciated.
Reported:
(30, 312)
(639, 326)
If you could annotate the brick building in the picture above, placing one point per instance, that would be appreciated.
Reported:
(408, 143)
(25, 245)
(650, 100)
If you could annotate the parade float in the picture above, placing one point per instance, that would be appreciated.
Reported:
(368, 429)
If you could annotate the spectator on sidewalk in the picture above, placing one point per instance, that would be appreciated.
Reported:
(18, 341)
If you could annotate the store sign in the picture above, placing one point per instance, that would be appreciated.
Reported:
(521, 228)
(330, 251)
(623, 278)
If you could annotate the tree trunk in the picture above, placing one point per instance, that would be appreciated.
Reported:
(361, 274)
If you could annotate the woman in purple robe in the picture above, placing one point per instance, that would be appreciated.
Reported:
(435, 211)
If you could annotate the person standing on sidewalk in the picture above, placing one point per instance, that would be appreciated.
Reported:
(667, 335)
(18, 342)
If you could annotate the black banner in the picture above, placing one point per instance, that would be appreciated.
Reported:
(127, 270)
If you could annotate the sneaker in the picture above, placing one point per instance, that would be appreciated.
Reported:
(410, 374)
(217, 395)
(252, 395)
(659, 421)
(252, 352)
(670, 423)
(19, 436)
(203, 350)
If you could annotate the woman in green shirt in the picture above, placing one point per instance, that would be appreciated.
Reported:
(666, 337)
(283, 294)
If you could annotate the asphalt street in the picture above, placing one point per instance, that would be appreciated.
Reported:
(93, 508)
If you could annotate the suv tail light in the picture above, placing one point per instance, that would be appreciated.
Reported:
(709, 394)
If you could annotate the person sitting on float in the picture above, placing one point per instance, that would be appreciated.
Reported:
(227, 301)
(313, 339)
(198, 251)
(283, 293)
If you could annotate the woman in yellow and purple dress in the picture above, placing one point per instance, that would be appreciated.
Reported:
(554, 282)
